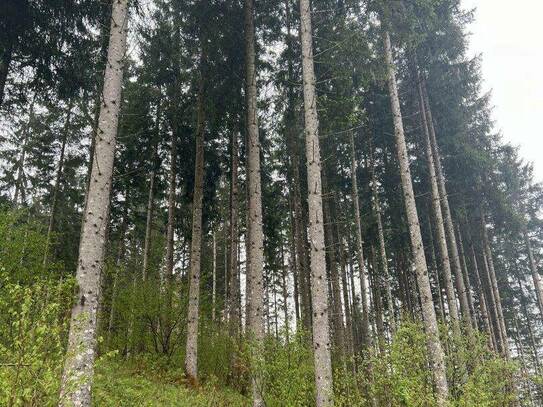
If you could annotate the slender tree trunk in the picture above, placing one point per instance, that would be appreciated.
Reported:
(449, 226)
(433, 267)
(56, 188)
(256, 242)
(494, 286)
(533, 343)
(360, 250)
(381, 237)
(483, 301)
(337, 312)
(356, 337)
(319, 280)
(535, 274)
(467, 282)
(377, 301)
(348, 337)
(79, 365)
(294, 264)
(214, 279)
(5, 62)
(300, 238)
(234, 301)
(438, 217)
(148, 226)
(284, 288)
(191, 353)
(435, 351)
(150, 202)
(20, 181)
(170, 229)
(118, 263)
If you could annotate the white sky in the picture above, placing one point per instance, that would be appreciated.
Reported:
(509, 34)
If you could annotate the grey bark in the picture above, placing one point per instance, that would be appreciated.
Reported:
(56, 188)
(467, 282)
(148, 226)
(433, 266)
(483, 303)
(438, 217)
(337, 312)
(365, 337)
(381, 237)
(234, 300)
(79, 364)
(20, 187)
(535, 274)
(256, 235)
(300, 234)
(319, 280)
(214, 279)
(435, 351)
(191, 352)
(5, 62)
(170, 228)
(449, 225)
(348, 332)
(150, 202)
(495, 290)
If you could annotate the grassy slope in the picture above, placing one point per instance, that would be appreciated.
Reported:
(125, 384)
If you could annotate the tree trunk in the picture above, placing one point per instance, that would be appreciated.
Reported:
(449, 225)
(191, 353)
(56, 188)
(494, 286)
(337, 312)
(79, 365)
(483, 301)
(118, 264)
(319, 280)
(170, 229)
(256, 235)
(491, 305)
(535, 274)
(214, 279)
(294, 264)
(234, 300)
(433, 267)
(365, 334)
(148, 226)
(435, 351)
(20, 181)
(300, 237)
(5, 62)
(348, 332)
(381, 237)
(377, 301)
(150, 201)
(438, 217)
(533, 343)
(467, 283)
(284, 288)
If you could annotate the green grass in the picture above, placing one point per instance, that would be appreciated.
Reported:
(120, 383)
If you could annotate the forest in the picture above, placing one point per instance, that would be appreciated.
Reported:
(271, 203)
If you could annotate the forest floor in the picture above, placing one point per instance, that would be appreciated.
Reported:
(120, 383)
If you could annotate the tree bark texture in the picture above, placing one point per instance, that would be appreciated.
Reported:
(191, 353)
(449, 225)
(79, 365)
(435, 351)
(256, 235)
(365, 334)
(319, 280)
